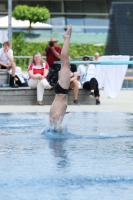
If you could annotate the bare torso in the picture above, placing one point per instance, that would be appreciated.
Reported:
(58, 109)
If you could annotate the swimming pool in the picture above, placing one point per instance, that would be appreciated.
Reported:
(92, 159)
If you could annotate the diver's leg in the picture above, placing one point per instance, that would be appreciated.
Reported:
(64, 77)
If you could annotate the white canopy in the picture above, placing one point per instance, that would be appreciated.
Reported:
(22, 24)
(3, 36)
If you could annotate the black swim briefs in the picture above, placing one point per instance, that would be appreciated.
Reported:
(60, 90)
(3, 67)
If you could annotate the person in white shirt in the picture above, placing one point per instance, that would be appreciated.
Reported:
(96, 56)
(6, 61)
(86, 75)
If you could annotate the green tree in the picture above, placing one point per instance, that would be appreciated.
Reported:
(32, 14)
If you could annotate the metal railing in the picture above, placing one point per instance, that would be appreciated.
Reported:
(128, 80)
(24, 61)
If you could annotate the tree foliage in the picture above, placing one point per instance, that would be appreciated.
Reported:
(32, 14)
(23, 48)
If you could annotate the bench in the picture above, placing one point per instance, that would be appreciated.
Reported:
(28, 96)
(4, 76)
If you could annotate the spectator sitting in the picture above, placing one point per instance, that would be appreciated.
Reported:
(52, 53)
(74, 82)
(38, 71)
(96, 56)
(86, 76)
(6, 61)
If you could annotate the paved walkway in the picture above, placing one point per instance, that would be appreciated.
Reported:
(122, 103)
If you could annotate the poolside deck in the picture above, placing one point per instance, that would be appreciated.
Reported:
(122, 103)
(26, 96)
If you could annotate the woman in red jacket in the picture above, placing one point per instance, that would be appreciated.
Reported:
(38, 71)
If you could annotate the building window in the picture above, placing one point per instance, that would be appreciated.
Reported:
(57, 20)
(95, 6)
(75, 20)
(96, 20)
(53, 6)
(3, 6)
(73, 6)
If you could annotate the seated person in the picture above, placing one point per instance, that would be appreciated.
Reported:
(86, 74)
(6, 61)
(38, 71)
(96, 56)
(74, 83)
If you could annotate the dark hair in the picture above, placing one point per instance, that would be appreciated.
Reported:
(86, 57)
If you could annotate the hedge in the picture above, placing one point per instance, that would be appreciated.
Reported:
(23, 48)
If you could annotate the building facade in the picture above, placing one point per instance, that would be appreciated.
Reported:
(90, 18)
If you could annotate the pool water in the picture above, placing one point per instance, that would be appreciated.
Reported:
(91, 160)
